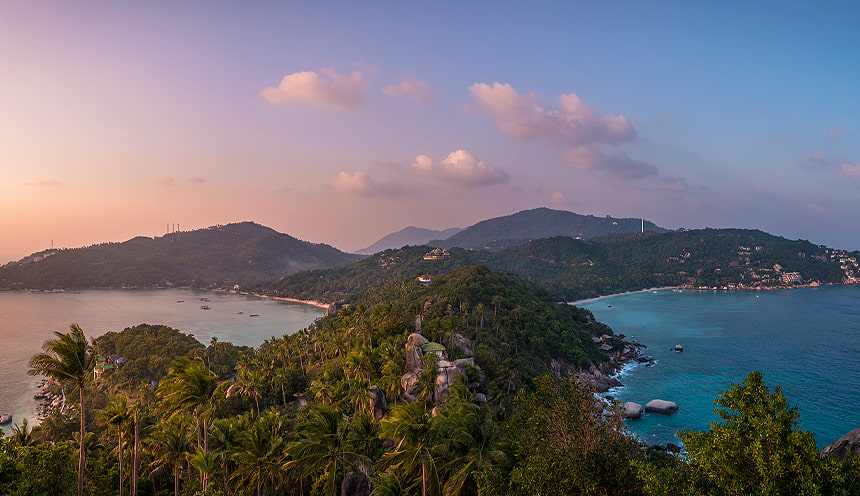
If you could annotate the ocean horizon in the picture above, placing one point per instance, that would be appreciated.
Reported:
(803, 340)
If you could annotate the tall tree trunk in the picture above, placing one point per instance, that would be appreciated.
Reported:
(135, 450)
(119, 449)
(82, 457)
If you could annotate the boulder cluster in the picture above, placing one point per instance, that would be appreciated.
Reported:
(417, 346)
(50, 397)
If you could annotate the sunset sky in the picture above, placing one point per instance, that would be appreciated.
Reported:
(341, 122)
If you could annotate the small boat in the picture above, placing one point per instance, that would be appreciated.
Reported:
(6, 418)
(205, 307)
(254, 315)
(180, 301)
(240, 313)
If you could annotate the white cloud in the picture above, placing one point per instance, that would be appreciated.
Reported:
(360, 183)
(460, 168)
(575, 123)
(416, 89)
(591, 158)
(339, 90)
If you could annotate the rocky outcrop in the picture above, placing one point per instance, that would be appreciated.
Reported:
(413, 351)
(407, 385)
(448, 373)
(378, 403)
(662, 407)
(333, 308)
(632, 410)
(845, 446)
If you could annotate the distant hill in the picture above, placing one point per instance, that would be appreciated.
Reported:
(408, 236)
(236, 253)
(574, 269)
(505, 232)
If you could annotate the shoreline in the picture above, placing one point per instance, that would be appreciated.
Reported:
(604, 297)
(294, 300)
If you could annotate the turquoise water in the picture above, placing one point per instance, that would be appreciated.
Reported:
(804, 340)
(28, 319)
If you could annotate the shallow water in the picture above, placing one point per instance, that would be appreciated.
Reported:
(28, 319)
(804, 340)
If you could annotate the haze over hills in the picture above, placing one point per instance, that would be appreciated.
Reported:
(408, 236)
(238, 252)
(508, 231)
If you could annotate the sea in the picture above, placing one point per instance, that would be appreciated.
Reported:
(28, 319)
(804, 340)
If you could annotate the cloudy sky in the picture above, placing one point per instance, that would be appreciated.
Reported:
(340, 122)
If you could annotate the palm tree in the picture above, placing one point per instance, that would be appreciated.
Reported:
(258, 458)
(117, 415)
(68, 357)
(252, 383)
(411, 427)
(323, 450)
(22, 435)
(170, 446)
(189, 386)
(471, 442)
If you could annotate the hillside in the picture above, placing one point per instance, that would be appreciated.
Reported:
(505, 232)
(575, 269)
(236, 253)
(408, 236)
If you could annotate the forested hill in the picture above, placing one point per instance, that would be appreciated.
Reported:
(504, 232)
(236, 253)
(575, 269)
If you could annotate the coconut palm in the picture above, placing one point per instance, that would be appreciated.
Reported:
(323, 450)
(118, 416)
(170, 447)
(411, 427)
(22, 435)
(471, 442)
(189, 386)
(68, 357)
(252, 383)
(258, 458)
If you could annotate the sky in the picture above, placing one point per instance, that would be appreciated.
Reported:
(341, 122)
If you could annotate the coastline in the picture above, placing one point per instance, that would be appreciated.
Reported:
(294, 300)
(604, 297)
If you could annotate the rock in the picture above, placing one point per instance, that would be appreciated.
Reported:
(407, 384)
(378, 403)
(845, 446)
(662, 407)
(463, 343)
(355, 484)
(333, 308)
(480, 398)
(448, 373)
(632, 410)
(413, 351)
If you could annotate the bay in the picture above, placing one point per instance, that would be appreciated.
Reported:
(28, 319)
(804, 340)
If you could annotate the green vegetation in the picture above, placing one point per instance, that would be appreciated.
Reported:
(231, 254)
(575, 269)
(324, 411)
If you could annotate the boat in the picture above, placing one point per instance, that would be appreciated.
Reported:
(180, 301)
(6, 418)
(205, 307)
(240, 313)
(254, 315)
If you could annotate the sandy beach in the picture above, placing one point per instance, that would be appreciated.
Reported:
(604, 297)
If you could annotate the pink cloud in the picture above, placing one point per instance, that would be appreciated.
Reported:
(850, 171)
(590, 158)
(360, 183)
(164, 181)
(575, 123)
(460, 168)
(338, 90)
(414, 88)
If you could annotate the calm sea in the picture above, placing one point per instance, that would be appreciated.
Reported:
(28, 319)
(805, 340)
